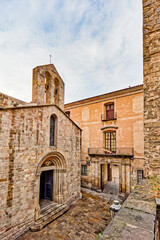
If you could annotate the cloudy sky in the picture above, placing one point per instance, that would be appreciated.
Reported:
(96, 45)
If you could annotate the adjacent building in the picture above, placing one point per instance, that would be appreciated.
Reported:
(112, 138)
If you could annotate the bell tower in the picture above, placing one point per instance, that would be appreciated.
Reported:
(47, 86)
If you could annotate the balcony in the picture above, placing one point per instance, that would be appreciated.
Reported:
(107, 117)
(118, 152)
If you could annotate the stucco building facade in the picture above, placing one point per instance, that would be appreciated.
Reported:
(112, 138)
(40, 152)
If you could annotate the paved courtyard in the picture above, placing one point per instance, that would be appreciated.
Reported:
(85, 219)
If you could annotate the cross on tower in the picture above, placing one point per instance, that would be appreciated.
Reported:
(50, 58)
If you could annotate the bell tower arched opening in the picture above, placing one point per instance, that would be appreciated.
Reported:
(47, 86)
(56, 91)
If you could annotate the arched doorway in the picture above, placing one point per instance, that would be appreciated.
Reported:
(46, 185)
(51, 173)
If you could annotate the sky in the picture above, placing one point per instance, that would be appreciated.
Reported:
(96, 45)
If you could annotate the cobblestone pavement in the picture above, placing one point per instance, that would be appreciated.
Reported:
(85, 219)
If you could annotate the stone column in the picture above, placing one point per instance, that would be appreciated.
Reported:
(92, 174)
(37, 193)
(56, 186)
(96, 165)
(64, 186)
(128, 178)
(123, 178)
(60, 186)
(120, 178)
(99, 175)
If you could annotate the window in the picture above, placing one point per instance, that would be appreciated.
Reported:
(84, 169)
(52, 131)
(110, 111)
(139, 175)
(110, 141)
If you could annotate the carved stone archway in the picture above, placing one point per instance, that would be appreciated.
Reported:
(53, 161)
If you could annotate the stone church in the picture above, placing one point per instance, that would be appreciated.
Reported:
(40, 156)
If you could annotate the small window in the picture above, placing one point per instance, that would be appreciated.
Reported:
(139, 175)
(68, 113)
(52, 131)
(84, 169)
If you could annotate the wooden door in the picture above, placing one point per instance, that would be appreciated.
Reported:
(46, 185)
(110, 111)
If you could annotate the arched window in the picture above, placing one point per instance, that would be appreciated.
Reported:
(52, 131)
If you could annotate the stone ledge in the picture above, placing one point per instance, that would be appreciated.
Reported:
(137, 217)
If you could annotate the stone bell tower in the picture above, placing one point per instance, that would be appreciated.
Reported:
(47, 86)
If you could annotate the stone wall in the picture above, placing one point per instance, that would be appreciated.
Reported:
(151, 58)
(6, 101)
(137, 217)
(47, 86)
(24, 141)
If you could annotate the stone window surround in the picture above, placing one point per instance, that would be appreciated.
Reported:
(109, 129)
(109, 102)
(55, 131)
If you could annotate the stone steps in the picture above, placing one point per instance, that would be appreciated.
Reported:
(49, 208)
(48, 216)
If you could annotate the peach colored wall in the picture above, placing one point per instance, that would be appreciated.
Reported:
(128, 126)
(129, 122)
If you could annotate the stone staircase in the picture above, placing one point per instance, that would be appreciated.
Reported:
(48, 214)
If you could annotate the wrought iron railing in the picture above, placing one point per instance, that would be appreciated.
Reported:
(105, 117)
(118, 151)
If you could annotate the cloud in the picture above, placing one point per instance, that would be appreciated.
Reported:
(96, 45)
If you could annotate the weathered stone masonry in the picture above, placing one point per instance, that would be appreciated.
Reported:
(24, 149)
(6, 101)
(151, 58)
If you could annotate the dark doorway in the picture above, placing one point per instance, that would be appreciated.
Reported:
(102, 182)
(46, 185)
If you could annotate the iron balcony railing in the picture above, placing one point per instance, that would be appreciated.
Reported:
(117, 152)
(105, 117)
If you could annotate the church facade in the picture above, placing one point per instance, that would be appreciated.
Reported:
(40, 156)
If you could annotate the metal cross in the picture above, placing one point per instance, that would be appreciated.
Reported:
(50, 58)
